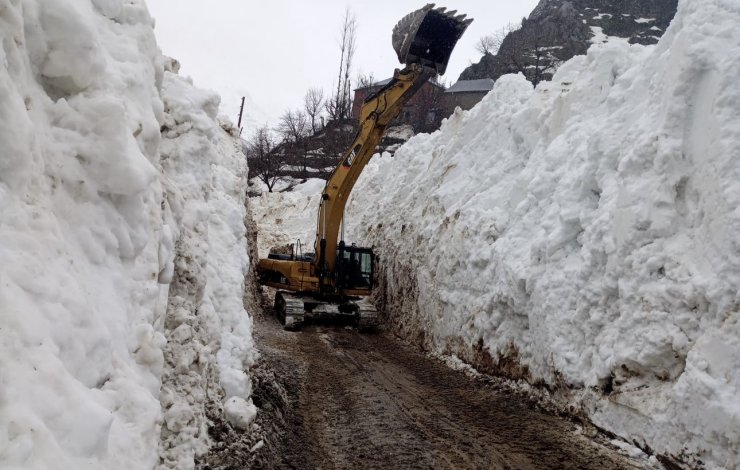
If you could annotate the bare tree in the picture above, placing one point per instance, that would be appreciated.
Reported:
(487, 44)
(294, 129)
(340, 104)
(491, 43)
(533, 54)
(337, 138)
(314, 103)
(365, 80)
(263, 159)
(293, 126)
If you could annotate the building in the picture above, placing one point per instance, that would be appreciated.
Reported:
(362, 93)
(422, 111)
(466, 93)
(432, 103)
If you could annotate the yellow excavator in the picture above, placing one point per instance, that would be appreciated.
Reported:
(336, 279)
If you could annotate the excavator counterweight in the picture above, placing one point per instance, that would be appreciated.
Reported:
(333, 281)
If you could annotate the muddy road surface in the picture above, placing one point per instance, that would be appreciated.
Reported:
(347, 400)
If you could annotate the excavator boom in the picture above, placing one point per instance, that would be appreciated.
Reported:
(375, 116)
(423, 40)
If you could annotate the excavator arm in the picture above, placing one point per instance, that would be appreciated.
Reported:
(376, 114)
(423, 40)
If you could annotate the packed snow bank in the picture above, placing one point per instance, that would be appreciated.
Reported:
(209, 333)
(584, 234)
(92, 229)
(80, 224)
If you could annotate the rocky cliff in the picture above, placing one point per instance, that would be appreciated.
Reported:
(557, 30)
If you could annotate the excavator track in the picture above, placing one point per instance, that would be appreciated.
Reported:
(293, 309)
(367, 316)
(290, 310)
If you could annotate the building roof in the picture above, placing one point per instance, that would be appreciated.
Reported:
(468, 86)
(376, 84)
(383, 83)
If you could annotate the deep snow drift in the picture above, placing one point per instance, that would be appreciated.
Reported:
(585, 234)
(93, 226)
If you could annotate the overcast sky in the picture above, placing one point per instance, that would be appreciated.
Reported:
(274, 50)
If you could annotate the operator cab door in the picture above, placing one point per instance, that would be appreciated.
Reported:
(354, 267)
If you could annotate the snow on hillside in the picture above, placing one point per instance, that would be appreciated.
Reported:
(585, 234)
(93, 227)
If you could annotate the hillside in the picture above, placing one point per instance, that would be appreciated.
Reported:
(557, 30)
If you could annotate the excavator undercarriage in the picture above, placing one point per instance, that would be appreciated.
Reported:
(336, 280)
(293, 309)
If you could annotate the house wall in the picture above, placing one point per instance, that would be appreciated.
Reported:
(465, 100)
(417, 101)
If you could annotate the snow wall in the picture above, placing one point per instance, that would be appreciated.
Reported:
(584, 235)
(122, 252)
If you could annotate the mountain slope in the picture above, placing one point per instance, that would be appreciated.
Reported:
(557, 30)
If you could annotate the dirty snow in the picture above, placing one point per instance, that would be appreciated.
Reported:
(402, 132)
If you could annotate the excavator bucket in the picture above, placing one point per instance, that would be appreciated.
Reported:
(428, 36)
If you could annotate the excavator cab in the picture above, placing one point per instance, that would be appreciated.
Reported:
(354, 269)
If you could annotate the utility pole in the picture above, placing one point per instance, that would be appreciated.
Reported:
(241, 112)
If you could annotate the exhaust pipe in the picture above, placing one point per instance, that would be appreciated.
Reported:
(428, 36)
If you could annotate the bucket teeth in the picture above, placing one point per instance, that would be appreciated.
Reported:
(427, 36)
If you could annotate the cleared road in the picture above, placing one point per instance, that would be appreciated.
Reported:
(349, 400)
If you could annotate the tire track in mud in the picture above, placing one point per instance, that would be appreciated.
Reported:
(370, 401)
